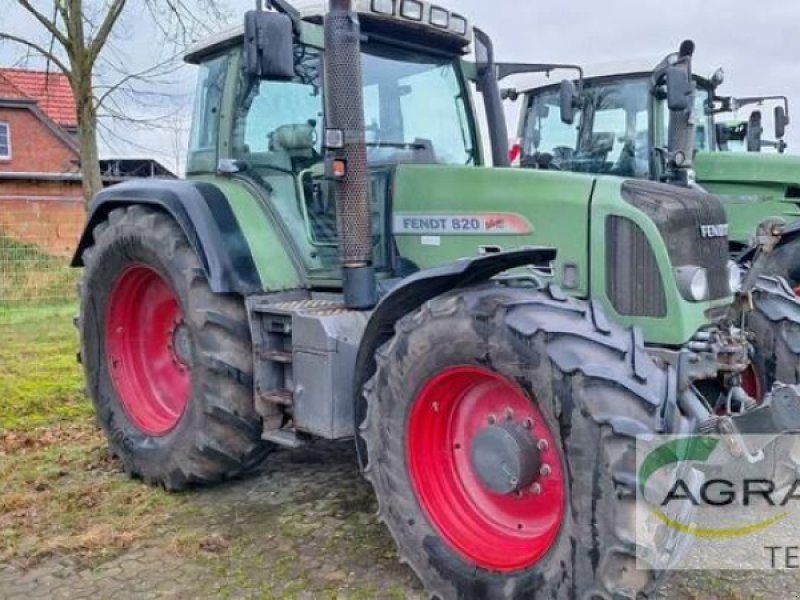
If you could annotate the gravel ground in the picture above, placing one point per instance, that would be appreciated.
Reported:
(302, 528)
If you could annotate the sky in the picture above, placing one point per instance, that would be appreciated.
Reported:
(758, 49)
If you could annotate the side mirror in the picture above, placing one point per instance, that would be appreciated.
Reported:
(679, 88)
(781, 121)
(268, 45)
(568, 101)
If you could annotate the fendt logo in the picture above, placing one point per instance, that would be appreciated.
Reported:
(664, 484)
(713, 231)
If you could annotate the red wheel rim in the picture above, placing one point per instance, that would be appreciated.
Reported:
(499, 532)
(751, 383)
(146, 346)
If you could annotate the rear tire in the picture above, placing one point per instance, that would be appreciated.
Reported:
(596, 388)
(179, 422)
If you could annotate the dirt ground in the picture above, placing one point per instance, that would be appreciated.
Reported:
(72, 525)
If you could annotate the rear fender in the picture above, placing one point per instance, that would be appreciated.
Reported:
(415, 291)
(203, 213)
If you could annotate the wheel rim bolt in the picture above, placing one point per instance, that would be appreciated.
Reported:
(435, 407)
(528, 423)
(545, 470)
(536, 489)
(509, 414)
(542, 445)
(492, 419)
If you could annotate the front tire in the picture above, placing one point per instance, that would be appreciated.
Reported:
(168, 363)
(454, 369)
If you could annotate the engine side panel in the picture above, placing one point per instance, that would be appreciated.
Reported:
(442, 214)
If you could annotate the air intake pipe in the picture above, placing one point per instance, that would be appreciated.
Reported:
(347, 153)
(681, 134)
(672, 81)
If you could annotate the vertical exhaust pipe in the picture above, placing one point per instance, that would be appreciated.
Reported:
(681, 132)
(347, 153)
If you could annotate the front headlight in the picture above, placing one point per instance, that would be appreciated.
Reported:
(692, 282)
(734, 277)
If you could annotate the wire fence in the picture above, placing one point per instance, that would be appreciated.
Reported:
(37, 239)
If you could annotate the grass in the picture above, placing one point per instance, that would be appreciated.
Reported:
(40, 379)
(61, 493)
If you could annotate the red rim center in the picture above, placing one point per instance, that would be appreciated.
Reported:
(751, 384)
(500, 532)
(144, 324)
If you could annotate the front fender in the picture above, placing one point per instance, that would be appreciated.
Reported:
(415, 291)
(203, 213)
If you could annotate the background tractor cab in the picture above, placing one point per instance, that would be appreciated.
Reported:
(731, 133)
(628, 124)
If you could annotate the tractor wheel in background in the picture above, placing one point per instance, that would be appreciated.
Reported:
(775, 323)
(501, 430)
(168, 363)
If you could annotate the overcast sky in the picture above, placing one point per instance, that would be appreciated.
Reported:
(756, 43)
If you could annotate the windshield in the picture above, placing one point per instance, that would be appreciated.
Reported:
(415, 110)
(610, 135)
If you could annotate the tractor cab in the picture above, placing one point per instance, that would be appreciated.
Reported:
(733, 133)
(268, 128)
(621, 123)
(622, 118)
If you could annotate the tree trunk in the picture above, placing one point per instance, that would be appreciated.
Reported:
(87, 137)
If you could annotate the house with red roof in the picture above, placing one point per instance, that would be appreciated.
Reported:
(41, 200)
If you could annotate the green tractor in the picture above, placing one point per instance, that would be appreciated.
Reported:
(339, 263)
(626, 128)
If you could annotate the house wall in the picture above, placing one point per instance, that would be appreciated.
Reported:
(48, 214)
(34, 147)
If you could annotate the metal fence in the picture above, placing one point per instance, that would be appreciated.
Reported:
(37, 239)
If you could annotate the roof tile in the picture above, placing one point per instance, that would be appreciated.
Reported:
(51, 91)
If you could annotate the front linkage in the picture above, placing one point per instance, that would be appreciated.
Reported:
(759, 393)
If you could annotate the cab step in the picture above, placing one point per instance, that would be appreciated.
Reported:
(280, 397)
(278, 356)
(284, 438)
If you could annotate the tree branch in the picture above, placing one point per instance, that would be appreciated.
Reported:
(105, 29)
(47, 23)
(47, 55)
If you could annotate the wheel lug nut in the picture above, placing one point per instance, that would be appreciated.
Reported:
(509, 414)
(528, 423)
(492, 420)
(536, 489)
(545, 470)
(542, 445)
(435, 407)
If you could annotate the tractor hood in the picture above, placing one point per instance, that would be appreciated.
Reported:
(734, 167)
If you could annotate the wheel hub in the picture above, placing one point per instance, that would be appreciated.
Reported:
(505, 458)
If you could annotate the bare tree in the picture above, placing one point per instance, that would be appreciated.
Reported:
(80, 43)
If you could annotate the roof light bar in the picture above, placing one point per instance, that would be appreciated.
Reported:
(412, 10)
(383, 7)
(440, 17)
